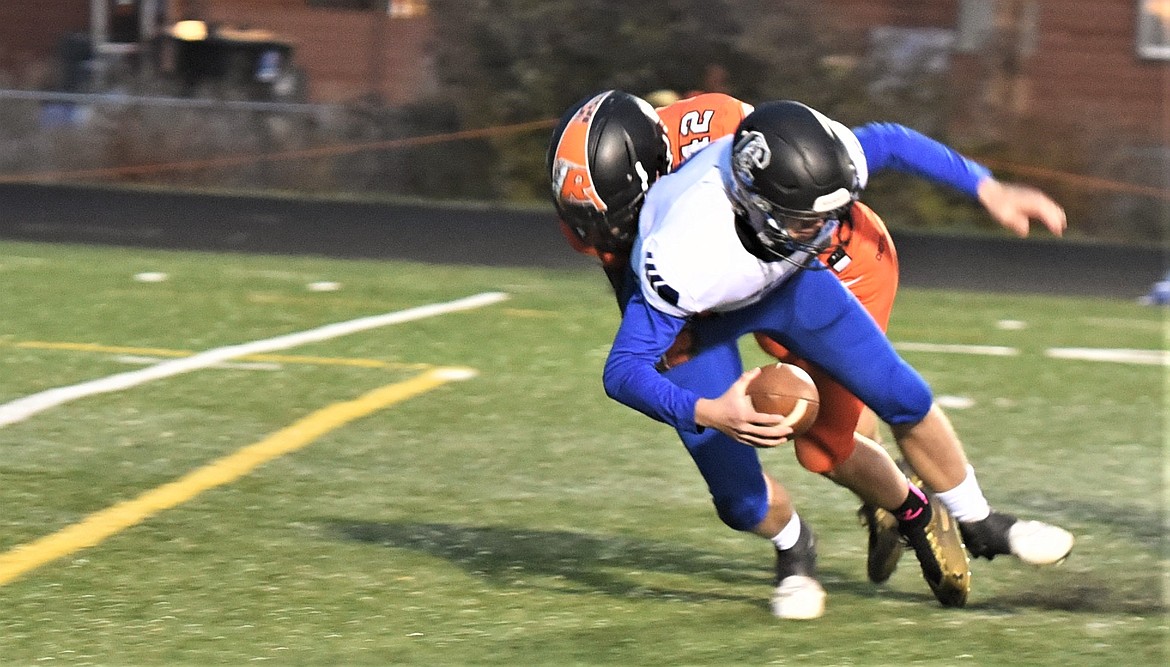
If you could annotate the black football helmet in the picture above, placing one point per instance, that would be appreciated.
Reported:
(792, 169)
(604, 155)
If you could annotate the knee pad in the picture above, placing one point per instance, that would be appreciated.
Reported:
(742, 512)
(816, 456)
(914, 398)
(830, 440)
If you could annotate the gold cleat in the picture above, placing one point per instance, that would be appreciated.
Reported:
(951, 581)
(885, 542)
(947, 544)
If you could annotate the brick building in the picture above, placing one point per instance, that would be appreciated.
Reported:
(1094, 63)
(1047, 70)
(346, 49)
(32, 36)
(1103, 63)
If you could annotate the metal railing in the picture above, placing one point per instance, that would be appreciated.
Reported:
(159, 101)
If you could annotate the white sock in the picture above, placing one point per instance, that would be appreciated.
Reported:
(966, 501)
(786, 539)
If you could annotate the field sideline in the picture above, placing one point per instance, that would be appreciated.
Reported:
(519, 516)
(474, 234)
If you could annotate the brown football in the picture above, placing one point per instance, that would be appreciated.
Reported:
(784, 389)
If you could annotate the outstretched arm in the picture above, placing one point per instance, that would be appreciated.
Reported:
(1013, 206)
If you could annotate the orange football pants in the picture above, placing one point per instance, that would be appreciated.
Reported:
(864, 259)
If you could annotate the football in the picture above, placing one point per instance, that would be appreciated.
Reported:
(784, 389)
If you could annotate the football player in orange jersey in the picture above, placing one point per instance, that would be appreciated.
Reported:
(864, 258)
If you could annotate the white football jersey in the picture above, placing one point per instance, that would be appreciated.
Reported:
(688, 256)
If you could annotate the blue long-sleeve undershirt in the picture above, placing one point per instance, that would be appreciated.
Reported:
(630, 376)
(897, 147)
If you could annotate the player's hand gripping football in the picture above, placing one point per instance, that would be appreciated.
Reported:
(733, 414)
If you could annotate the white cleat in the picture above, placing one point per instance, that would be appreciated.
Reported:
(798, 597)
(1033, 542)
(1039, 543)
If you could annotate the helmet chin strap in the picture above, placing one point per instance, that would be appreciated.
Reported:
(760, 247)
(757, 243)
(805, 253)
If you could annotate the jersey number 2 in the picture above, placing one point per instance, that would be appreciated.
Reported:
(694, 122)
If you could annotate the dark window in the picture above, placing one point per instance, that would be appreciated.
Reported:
(359, 5)
(394, 8)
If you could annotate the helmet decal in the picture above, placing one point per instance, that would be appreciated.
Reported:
(645, 178)
(572, 182)
(750, 152)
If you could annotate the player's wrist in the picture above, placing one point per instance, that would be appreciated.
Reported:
(989, 191)
(704, 413)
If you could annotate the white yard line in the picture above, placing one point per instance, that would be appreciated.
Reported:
(1105, 354)
(23, 408)
(989, 350)
(1117, 356)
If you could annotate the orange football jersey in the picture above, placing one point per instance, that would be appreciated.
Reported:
(696, 121)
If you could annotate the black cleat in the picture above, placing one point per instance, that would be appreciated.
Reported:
(798, 594)
(1034, 542)
(885, 542)
(988, 538)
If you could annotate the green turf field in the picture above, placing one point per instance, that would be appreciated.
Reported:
(253, 510)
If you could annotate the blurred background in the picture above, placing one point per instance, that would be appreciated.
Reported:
(454, 99)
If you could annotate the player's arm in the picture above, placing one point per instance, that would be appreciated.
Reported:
(630, 378)
(897, 147)
(733, 414)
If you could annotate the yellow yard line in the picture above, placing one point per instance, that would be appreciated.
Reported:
(98, 526)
